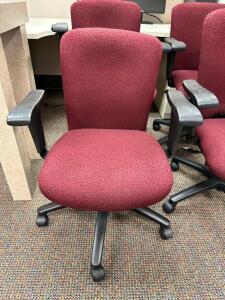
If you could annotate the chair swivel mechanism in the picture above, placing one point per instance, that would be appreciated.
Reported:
(106, 162)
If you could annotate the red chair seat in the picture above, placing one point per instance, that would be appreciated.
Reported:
(105, 170)
(212, 141)
(180, 75)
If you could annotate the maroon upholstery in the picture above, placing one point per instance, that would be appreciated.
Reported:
(109, 77)
(180, 75)
(212, 141)
(106, 14)
(212, 61)
(105, 170)
(186, 25)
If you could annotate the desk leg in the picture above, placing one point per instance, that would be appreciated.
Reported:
(17, 56)
(14, 156)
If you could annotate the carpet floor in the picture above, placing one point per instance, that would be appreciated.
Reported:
(53, 262)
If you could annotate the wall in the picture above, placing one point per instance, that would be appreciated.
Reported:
(49, 8)
(61, 9)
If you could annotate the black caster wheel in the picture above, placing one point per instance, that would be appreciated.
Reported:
(174, 166)
(156, 126)
(166, 233)
(42, 221)
(168, 207)
(97, 273)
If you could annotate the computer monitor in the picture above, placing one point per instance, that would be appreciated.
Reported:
(152, 6)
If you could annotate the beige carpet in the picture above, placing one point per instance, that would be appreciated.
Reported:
(53, 262)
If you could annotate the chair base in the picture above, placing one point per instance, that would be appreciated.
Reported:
(165, 228)
(158, 122)
(204, 170)
(43, 211)
(163, 140)
(185, 133)
(211, 183)
(96, 269)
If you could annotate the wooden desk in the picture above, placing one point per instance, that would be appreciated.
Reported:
(38, 28)
(16, 81)
(41, 27)
(157, 30)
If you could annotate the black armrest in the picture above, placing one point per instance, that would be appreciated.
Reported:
(175, 44)
(183, 114)
(200, 96)
(28, 113)
(22, 113)
(186, 113)
(166, 48)
(60, 28)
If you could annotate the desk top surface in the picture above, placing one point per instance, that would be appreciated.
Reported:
(38, 28)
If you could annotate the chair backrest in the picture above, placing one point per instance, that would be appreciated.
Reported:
(186, 25)
(212, 59)
(106, 14)
(109, 77)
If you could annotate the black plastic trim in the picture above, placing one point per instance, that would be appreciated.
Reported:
(166, 47)
(183, 114)
(22, 113)
(187, 114)
(28, 113)
(175, 44)
(200, 96)
(60, 28)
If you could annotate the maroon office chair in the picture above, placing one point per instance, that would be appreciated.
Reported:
(115, 14)
(186, 34)
(105, 162)
(208, 93)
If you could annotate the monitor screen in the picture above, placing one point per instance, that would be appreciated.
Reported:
(152, 6)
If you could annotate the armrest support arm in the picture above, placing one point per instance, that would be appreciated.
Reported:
(166, 47)
(60, 28)
(28, 113)
(200, 96)
(183, 114)
(169, 67)
(177, 46)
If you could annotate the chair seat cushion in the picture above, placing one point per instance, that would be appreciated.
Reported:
(180, 75)
(105, 170)
(212, 141)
